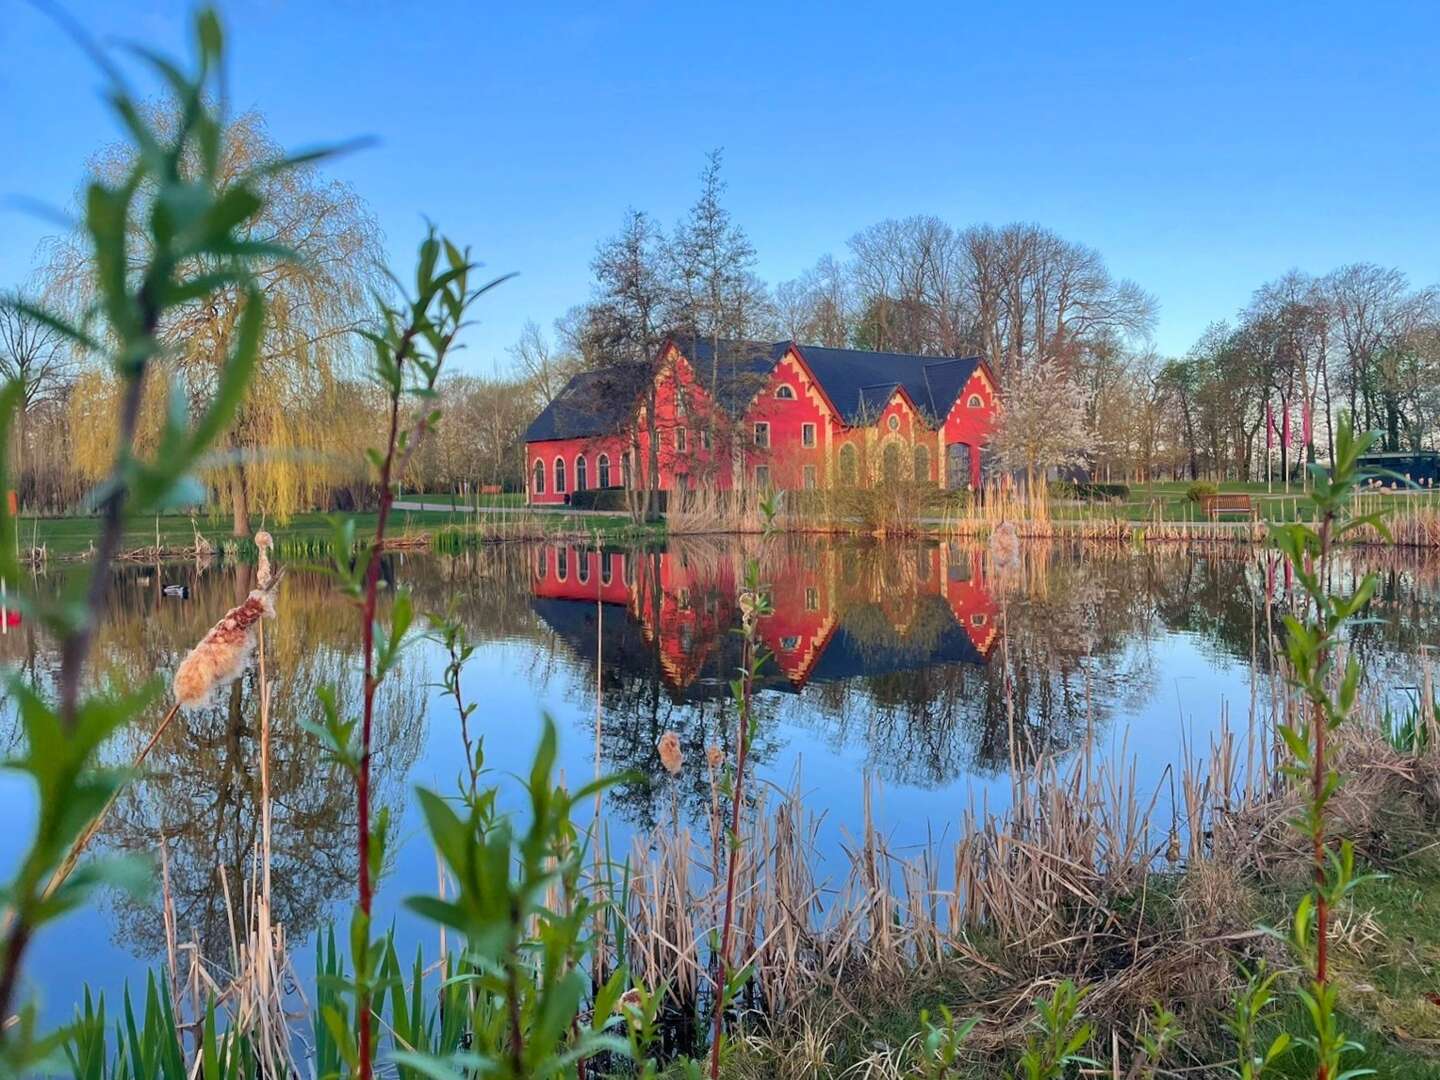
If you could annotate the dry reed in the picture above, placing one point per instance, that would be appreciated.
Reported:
(1054, 887)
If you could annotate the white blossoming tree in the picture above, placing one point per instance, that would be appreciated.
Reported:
(1042, 424)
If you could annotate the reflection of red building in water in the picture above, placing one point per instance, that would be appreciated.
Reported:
(837, 613)
(779, 416)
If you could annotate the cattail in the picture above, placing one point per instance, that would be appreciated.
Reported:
(714, 756)
(263, 543)
(670, 755)
(222, 653)
(749, 609)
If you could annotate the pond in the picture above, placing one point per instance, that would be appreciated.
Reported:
(905, 676)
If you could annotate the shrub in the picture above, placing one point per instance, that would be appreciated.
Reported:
(889, 509)
(1200, 490)
(613, 498)
(1078, 489)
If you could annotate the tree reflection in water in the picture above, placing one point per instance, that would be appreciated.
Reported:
(201, 785)
(892, 649)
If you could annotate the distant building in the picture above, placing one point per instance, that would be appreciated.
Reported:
(1419, 467)
(779, 416)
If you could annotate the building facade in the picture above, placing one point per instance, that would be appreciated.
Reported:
(779, 416)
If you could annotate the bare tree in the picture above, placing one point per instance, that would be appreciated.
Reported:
(545, 369)
(624, 327)
(33, 354)
(817, 307)
(1378, 323)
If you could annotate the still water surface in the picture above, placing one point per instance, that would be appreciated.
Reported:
(890, 662)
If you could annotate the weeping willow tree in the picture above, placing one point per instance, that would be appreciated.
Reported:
(299, 432)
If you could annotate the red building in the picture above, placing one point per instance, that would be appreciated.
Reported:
(780, 416)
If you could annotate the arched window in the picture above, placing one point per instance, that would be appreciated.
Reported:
(562, 564)
(602, 470)
(849, 465)
(582, 566)
(627, 568)
(625, 469)
(559, 475)
(975, 401)
(542, 558)
(607, 569)
(785, 391)
(922, 464)
(582, 471)
(538, 488)
(892, 468)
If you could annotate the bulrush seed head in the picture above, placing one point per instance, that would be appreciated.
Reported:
(222, 653)
(670, 755)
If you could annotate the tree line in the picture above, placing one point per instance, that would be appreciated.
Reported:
(1068, 340)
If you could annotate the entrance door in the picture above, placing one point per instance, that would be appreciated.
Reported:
(957, 465)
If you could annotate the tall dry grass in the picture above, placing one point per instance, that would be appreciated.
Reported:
(1054, 886)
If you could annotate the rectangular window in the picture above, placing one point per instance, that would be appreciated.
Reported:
(762, 434)
(762, 476)
(807, 434)
(812, 599)
(705, 439)
(680, 439)
(809, 477)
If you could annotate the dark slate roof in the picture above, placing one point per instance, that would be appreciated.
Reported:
(628, 653)
(736, 370)
(845, 657)
(860, 383)
(592, 403)
(854, 379)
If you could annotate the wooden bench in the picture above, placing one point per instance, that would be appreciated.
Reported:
(1215, 505)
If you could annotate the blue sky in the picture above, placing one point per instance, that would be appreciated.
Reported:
(1201, 149)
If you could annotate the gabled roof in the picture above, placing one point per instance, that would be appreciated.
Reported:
(857, 382)
(592, 403)
(861, 383)
(734, 373)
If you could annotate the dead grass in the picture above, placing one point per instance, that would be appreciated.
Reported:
(1073, 881)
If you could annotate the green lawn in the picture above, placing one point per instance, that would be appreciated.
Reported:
(1171, 500)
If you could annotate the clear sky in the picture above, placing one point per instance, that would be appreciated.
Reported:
(1201, 148)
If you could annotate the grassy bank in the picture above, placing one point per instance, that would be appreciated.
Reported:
(65, 537)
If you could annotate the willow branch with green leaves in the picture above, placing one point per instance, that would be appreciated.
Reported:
(1311, 646)
(408, 348)
(193, 227)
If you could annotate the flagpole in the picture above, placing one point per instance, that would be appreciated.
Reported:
(1269, 447)
(1285, 441)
